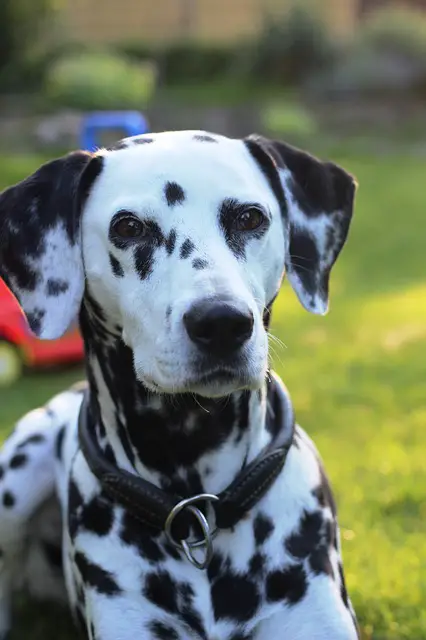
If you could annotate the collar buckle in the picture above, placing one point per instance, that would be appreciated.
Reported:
(188, 546)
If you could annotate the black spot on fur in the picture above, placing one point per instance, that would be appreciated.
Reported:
(116, 267)
(240, 635)
(75, 503)
(203, 137)
(60, 442)
(174, 194)
(168, 312)
(143, 141)
(34, 319)
(199, 264)
(95, 576)
(257, 564)
(97, 516)
(187, 248)
(235, 597)
(144, 252)
(306, 539)
(1, 472)
(161, 631)
(171, 242)
(320, 562)
(133, 534)
(262, 527)
(8, 499)
(174, 597)
(36, 438)
(56, 286)
(18, 460)
(289, 584)
(144, 260)
(323, 492)
(161, 590)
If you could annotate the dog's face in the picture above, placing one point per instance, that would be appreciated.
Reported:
(182, 239)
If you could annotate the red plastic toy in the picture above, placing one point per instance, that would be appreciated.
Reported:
(19, 347)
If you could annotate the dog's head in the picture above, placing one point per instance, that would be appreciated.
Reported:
(182, 238)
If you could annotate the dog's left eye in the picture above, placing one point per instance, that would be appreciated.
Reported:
(250, 219)
(128, 227)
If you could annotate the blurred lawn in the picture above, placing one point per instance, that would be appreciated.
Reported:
(358, 379)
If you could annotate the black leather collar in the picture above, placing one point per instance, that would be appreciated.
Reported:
(152, 506)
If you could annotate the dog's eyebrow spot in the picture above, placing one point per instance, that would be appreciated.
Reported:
(203, 137)
(187, 248)
(116, 267)
(117, 146)
(199, 263)
(55, 286)
(142, 140)
(174, 193)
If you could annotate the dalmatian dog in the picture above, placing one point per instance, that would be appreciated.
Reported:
(172, 496)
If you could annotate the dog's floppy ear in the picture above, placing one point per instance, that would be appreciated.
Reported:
(316, 200)
(40, 249)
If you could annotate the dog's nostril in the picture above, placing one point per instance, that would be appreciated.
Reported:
(219, 327)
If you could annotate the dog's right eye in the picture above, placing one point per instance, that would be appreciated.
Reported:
(128, 227)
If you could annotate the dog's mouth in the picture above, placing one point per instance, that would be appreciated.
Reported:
(214, 383)
(220, 381)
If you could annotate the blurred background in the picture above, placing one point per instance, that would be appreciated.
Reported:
(344, 79)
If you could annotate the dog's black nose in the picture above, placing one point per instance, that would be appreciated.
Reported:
(219, 327)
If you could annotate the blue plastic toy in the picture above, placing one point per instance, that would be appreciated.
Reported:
(132, 123)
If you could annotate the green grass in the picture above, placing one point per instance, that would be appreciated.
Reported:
(357, 378)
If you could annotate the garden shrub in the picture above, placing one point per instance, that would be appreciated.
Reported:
(23, 42)
(98, 80)
(185, 62)
(387, 58)
(290, 48)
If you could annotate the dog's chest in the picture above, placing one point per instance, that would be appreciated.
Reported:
(266, 561)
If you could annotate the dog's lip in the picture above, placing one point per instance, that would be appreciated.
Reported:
(218, 374)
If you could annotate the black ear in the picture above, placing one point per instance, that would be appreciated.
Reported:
(40, 249)
(317, 202)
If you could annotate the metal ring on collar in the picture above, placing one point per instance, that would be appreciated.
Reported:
(187, 546)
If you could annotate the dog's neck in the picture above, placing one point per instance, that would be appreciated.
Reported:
(182, 443)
